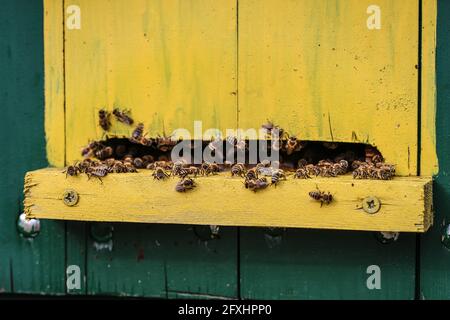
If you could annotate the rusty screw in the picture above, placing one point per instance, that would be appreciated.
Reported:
(70, 197)
(371, 204)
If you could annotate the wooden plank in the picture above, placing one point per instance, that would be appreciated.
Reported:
(324, 264)
(54, 82)
(428, 156)
(161, 260)
(435, 263)
(315, 69)
(137, 197)
(26, 266)
(171, 62)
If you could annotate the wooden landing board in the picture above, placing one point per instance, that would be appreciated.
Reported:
(406, 202)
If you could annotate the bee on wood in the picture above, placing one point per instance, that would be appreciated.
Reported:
(251, 174)
(146, 141)
(277, 175)
(98, 172)
(238, 170)
(160, 174)
(256, 184)
(138, 163)
(165, 144)
(119, 167)
(137, 133)
(302, 163)
(323, 197)
(209, 168)
(129, 167)
(72, 171)
(377, 158)
(110, 162)
(91, 148)
(147, 159)
(269, 127)
(193, 171)
(104, 153)
(128, 158)
(357, 163)
(104, 119)
(362, 171)
(123, 116)
(312, 170)
(292, 145)
(302, 173)
(341, 167)
(185, 184)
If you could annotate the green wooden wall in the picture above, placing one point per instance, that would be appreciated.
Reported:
(172, 261)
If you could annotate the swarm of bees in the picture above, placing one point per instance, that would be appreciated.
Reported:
(303, 160)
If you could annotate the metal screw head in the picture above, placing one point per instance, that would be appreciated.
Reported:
(70, 197)
(371, 204)
(28, 228)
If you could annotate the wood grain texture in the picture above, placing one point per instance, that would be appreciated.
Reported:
(315, 69)
(435, 258)
(170, 61)
(324, 264)
(26, 266)
(139, 198)
(54, 82)
(428, 156)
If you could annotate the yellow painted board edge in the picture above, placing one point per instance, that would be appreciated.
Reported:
(223, 200)
(428, 157)
(54, 82)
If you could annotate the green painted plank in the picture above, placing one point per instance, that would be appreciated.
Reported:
(25, 266)
(202, 267)
(132, 266)
(76, 253)
(435, 258)
(163, 261)
(318, 264)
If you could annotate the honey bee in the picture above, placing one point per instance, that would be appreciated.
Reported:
(123, 116)
(312, 170)
(238, 170)
(277, 175)
(256, 184)
(209, 168)
(104, 153)
(302, 173)
(128, 158)
(292, 144)
(321, 196)
(302, 163)
(165, 144)
(251, 174)
(341, 167)
(146, 141)
(91, 148)
(138, 163)
(72, 171)
(160, 174)
(137, 133)
(119, 167)
(377, 158)
(147, 159)
(193, 171)
(98, 172)
(104, 119)
(362, 171)
(269, 127)
(129, 167)
(185, 184)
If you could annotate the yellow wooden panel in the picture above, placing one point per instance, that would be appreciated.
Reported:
(222, 200)
(428, 157)
(54, 82)
(315, 68)
(170, 61)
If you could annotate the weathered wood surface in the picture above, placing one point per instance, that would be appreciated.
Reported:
(223, 200)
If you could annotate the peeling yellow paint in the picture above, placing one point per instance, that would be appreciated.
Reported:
(54, 82)
(223, 200)
(429, 160)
